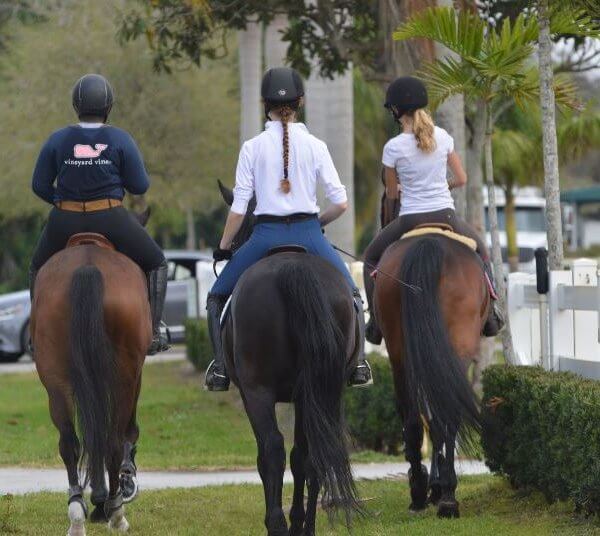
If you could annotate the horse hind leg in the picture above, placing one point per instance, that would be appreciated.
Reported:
(418, 477)
(448, 505)
(61, 412)
(437, 459)
(113, 507)
(271, 458)
(298, 458)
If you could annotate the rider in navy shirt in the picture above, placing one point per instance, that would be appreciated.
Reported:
(84, 171)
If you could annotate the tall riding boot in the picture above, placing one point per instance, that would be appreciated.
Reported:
(157, 291)
(495, 320)
(372, 331)
(216, 375)
(361, 376)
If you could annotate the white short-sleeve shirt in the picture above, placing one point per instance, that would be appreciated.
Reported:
(260, 171)
(422, 176)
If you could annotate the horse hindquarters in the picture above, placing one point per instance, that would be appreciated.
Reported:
(322, 354)
(436, 382)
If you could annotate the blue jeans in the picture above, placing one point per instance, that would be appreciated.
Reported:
(265, 236)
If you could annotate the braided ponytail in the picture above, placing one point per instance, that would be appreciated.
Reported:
(285, 113)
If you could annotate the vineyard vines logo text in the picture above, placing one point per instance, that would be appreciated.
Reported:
(85, 155)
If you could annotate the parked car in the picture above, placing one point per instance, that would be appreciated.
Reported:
(530, 210)
(15, 307)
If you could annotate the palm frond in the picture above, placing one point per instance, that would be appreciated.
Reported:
(573, 22)
(463, 33)
(448, 77)
(578, 133)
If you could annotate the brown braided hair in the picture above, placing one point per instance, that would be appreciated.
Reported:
(286, 113)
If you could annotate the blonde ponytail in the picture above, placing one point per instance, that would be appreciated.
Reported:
(423, 129)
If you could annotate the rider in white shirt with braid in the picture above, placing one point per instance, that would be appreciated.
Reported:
(281, 167)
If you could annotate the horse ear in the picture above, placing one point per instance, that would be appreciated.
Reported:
(144, 216)
(226, 193)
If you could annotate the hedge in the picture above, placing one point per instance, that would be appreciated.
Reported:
(372, 413)
(542, 430)
(197, 343)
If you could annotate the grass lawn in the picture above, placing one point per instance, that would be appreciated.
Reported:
(488, 507)
(182, 426)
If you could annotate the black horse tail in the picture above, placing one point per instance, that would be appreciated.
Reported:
(92, 371)
(322, 354)
(436, 379)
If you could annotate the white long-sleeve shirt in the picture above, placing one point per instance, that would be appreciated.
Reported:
(260, 171)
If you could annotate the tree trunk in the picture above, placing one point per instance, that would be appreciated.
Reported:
(551, 176)
(506, 335)
(512, 248)
(190, 237)
(250, 67)
(474, 190)
(275, 48)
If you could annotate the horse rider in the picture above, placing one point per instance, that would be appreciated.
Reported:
(93, 164)
(281, 167)
(417, 190)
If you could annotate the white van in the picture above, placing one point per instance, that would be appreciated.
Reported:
(530, 208)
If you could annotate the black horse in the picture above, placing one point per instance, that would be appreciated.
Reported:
(292, 336)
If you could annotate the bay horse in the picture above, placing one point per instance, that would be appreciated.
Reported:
(432, 333)
(292, 336)
(90, 328)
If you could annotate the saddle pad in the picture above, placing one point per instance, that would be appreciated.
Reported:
(94, 239)
(469, 242)
(225, 313)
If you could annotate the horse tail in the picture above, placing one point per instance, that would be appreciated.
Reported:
(92, 371)
(322, 353)
(436, 380)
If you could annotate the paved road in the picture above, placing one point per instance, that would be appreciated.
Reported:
(27, 365)
(19, 481)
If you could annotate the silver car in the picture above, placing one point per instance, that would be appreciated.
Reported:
(15, 307)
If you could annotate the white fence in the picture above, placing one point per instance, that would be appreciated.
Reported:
(559, 329)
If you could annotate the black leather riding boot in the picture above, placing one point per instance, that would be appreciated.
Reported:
(372, 331)
(216, 375)
(361, 376)
(495, 320)
(157, 291)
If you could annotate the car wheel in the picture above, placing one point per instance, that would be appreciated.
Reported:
(26, 339)
(9, 358)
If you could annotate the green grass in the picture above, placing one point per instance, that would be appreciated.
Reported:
(488, 507)
(182, 426)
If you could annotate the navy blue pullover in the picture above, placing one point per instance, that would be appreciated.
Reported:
(88, 164)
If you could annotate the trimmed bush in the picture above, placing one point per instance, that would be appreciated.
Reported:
(372, 413)
(197, 343)
(542, 430)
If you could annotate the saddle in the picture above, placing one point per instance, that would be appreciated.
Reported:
(288, 248)
(90, 239)
(441, 229)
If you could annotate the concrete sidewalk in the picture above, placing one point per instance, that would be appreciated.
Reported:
(26, 365)
(18, 481)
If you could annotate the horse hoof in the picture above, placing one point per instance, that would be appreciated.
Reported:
(117, 521)
(416, 508)
(448, 509)
(98, 515)
(77, 518)
(129, 487)
(435, 494)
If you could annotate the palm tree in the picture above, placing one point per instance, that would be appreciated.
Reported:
(493, 70)
(250, 58)
(579, 24)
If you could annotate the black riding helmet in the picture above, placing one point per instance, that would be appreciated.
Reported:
(405, 94)
(92, 96)
(281, 85)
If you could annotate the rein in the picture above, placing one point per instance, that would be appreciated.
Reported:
(414, 288)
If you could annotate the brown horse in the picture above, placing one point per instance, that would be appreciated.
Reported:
(432, 332)
(90, 327)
